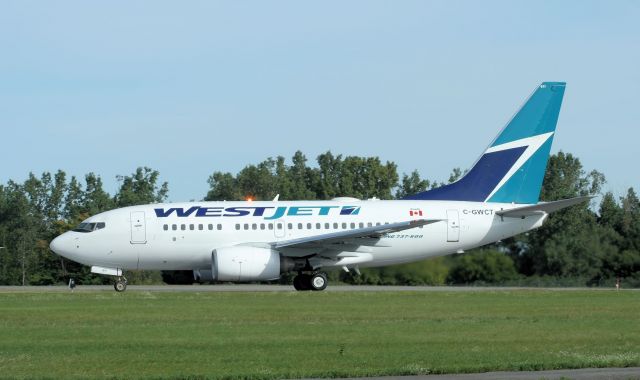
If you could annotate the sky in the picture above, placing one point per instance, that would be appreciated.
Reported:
(193, 87)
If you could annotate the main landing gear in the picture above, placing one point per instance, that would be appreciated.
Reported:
(315, 281)
(120, 284)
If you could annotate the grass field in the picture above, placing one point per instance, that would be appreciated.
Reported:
(289, 335)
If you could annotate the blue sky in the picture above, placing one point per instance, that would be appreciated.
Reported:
(192, 87)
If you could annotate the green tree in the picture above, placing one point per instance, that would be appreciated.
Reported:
(610, 213)
(329, 176)
(562, 239)
(301, 178)
(222, 187)
(412, 184)
(97, 200)
(141, 188)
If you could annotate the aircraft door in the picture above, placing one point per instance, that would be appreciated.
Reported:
(138, 228)
(453, 226)
(279, 228)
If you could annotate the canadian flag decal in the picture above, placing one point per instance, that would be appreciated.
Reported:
(415, 212)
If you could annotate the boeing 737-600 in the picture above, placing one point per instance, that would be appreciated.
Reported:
(259, 241)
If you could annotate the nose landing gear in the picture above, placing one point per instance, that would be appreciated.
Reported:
(315, 281)
(120, 284)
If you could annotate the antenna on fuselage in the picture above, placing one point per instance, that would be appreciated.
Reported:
(275, 199)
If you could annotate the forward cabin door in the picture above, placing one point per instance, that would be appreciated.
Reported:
(453, 226)
(138, 228)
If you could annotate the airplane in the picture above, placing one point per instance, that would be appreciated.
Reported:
(252, 241)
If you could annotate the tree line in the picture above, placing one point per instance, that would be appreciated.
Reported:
(584, 245)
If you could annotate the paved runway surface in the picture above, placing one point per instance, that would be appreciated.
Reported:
(576, 374)
(280, 288)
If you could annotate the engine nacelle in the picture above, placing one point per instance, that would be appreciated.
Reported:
(246, 264)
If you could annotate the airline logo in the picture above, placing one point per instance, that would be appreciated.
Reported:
(267, 213)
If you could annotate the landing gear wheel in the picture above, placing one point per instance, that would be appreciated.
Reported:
(318, 281)
(301, 282)
(120, 285)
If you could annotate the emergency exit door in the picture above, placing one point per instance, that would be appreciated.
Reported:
(453, 226)
(138, 228)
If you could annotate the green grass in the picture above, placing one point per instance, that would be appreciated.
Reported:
(280, 335)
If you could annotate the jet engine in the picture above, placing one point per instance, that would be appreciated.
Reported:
(243, 263)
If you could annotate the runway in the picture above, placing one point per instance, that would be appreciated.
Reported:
(285, 288)
(282, 288)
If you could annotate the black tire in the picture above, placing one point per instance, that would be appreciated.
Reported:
(300, 282)
(318, 281)
(120, 286)
(296, 283)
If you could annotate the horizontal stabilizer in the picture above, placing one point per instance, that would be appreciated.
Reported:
(540, 208)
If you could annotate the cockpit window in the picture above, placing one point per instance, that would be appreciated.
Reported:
(89, 227)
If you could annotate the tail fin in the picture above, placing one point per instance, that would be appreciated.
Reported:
(511, 170)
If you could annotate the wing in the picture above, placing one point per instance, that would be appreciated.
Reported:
(351, 237)
(540, 208)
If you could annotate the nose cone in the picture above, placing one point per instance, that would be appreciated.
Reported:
(55, 245)
(60, 244)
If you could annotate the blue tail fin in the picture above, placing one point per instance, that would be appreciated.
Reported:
(511, 170)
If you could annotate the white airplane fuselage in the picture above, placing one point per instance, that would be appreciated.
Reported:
(254, 241)
(136, 238)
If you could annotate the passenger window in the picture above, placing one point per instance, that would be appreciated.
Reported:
(219, 227)
(246, 226)
(165, 227)
(353, 225)
(335, 226)
(299, 226)
(271, 226)
(183, 227)
(369, 224)
(326, 226)
(309, 226)
(279, 225)
(174, 227)
(318, 226)
(290, 226)
(191, 227)
(254, 226)
(237, 226)
(361, 225)
(210, 226)
(262, 227)
(200, 227)
(377, 223)
(344, 226)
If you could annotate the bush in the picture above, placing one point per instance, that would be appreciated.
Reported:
(483, 266)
